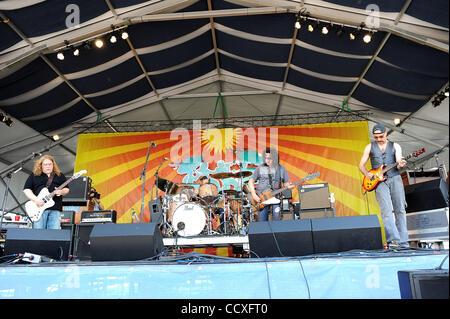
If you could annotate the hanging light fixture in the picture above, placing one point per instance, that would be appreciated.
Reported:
(367, 37)
(60, 55)
(99, 43)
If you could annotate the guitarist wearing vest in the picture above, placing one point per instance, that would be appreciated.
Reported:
(46, 174)
(390, 193)
(269, 175)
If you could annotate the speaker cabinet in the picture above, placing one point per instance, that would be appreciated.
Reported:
(427, 195)
(118, 242)
(333, 235)
(81, 241)
(423, 284)
(53, 243)
(314, 196)
(317, 213)
(79, 192)
(280, 238)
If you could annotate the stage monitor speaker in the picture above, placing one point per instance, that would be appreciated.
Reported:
(280, 238)
(117, 242)
(317, 213)
(334, 235)
(313, 196)
(423, 284)
(79, 192)
(427, 195)
(81, 244)
(52, 243)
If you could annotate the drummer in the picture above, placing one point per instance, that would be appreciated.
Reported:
(209, 190)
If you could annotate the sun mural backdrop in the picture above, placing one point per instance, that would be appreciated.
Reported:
(115, 161)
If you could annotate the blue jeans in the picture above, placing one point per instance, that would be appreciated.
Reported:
(50, 219)
(263, 214)
(390, 196)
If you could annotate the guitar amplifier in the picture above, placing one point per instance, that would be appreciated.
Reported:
(67, 217)
(314, 196)
(79, 192)
(98, 216)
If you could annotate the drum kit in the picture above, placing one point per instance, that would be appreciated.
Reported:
(196, 211)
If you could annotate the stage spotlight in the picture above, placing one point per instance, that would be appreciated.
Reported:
(397, 121)
(2, 117)
(325, 30)
(99, 43)
(367, 38)
(446, 92)
(76, 52)
(310, 27)
(113, 39)
(124, 35)
(55, 137)
(9, 122)
(60, 56)
(340, 31)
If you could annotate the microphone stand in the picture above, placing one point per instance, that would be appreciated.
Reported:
(150, 146)
(156, 178)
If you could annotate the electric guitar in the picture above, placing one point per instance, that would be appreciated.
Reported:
(35, 212)
(268, 196)
(378, 174)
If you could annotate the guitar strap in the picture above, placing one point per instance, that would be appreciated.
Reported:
(50, 179)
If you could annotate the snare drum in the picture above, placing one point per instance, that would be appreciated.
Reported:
(189, 219)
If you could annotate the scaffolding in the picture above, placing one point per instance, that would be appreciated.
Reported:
(232, 122)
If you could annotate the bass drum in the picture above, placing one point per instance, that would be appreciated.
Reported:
(189, 219)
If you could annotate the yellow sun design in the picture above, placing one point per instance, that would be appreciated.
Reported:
(219, 140)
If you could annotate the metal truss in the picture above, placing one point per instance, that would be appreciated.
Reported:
(233, 122)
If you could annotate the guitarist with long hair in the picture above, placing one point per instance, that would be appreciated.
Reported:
(269, 175)
(390, 193)
(46, 173)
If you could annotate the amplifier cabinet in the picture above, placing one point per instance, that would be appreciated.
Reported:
(79, 192)
(314, 196)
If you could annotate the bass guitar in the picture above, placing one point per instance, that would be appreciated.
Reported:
(268, 196)
(378, 174)
(35, 212)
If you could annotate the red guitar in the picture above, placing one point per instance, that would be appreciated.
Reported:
(378, 174)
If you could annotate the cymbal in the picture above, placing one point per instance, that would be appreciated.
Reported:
(164, 184)
(243, 174)
(222, 175)
(185, 185)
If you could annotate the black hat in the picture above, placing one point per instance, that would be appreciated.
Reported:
(379, 129)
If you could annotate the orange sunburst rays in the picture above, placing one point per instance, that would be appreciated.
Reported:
(219, 141)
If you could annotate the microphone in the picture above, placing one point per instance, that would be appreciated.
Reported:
(165, 159)
(34, 154)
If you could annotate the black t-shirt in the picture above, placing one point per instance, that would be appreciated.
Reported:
(37, 183)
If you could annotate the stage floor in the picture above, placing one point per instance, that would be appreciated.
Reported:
(349, 275)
